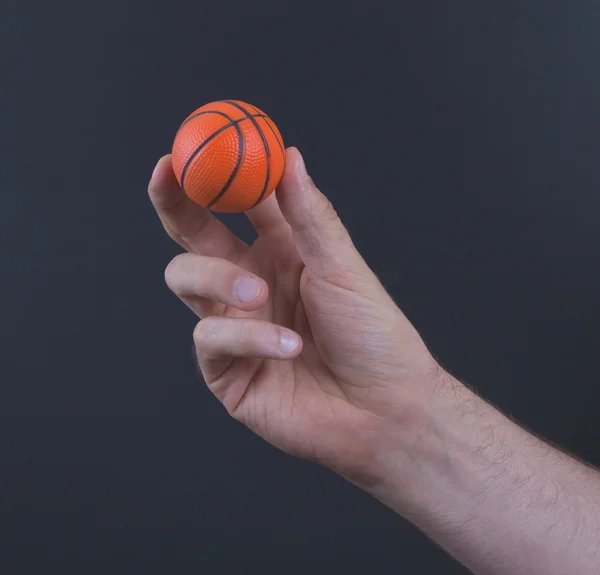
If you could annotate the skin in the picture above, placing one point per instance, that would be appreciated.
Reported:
(301, 343)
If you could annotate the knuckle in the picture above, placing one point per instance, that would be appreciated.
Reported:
(245, 331)
(199, 333)
(172, 272)
(203, 332)
(330, 220)
(175, 236)
(324, 208)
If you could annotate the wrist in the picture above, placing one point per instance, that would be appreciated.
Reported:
(428, 452)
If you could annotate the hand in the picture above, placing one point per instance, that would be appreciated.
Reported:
(301, 343)
(298, 338)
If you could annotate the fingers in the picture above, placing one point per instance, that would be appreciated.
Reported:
(219, 338)
(229, 351)
(191, 276)
(190, 225)
(322, 241)
(267, 216)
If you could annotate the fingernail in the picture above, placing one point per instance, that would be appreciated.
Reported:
(247, 289)
(302, 168)
(288, 342)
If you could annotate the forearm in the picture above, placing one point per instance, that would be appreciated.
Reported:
(494, 496)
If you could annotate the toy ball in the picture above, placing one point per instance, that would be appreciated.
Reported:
(228, 156)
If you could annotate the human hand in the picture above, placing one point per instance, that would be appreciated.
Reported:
(298, 338)
(316, 358)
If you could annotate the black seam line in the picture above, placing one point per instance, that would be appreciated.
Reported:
(235, 169)
(213, 112)
(204, 144)
(266, 119)
(202, 114)
(269, 121)
(265, 144)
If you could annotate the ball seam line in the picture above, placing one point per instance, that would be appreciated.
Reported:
(265, 144)
(206, 142)
(268, 122)
(258, 115)
(202, 114)
(241, 148)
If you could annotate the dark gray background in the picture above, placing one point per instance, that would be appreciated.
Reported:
(457, 140)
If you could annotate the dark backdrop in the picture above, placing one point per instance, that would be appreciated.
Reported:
(458, 141)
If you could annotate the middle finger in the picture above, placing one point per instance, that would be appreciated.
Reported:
(192, 276)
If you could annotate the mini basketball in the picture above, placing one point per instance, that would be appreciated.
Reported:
(228, 156)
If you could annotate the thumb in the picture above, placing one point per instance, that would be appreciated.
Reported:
(322, 241)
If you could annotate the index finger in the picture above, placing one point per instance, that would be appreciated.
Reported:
(193, 227)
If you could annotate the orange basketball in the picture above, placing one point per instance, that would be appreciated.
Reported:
(228, 156)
